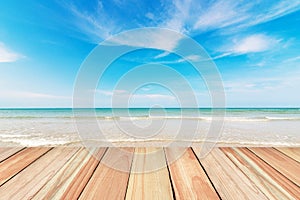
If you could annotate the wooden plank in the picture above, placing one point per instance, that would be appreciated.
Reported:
(57, 186)
(188, 178)
(108, 181)
(282, 163)
(17, 162)
(273, 184)
(7, 152)
(28, 182)
(228, 179)
(83, 176)
(149, 176)
(291, 152)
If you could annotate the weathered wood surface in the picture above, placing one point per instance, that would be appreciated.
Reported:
(149, 177)
(29, 181)
(7, 152)
(149, 173)
(81, 179)
(282, 163)
(188, 178)
(14, 164)
(272, 183)
(229, 180)
(291, 152)
(110, 178)
(57, 187)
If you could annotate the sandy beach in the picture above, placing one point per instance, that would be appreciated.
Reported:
(102, 127)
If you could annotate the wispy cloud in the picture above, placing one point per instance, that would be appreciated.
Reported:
(147, 38)
(190, 58)
(222, 13)
(153, 96)
(193, 58)
(186, 16)
(123, 98)
(30, 95)
(292, 59)
(263, 91)
(163, 54)
(191, 17)
(275, 11)
(254, 43)
(7, 55)
(96, 25)
(179, 13)
(250, 44)
(241, 14)
(126, 95)
(110, 92)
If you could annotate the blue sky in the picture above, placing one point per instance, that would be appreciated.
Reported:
(255, 45)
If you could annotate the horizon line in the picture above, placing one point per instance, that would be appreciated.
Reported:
(271, 107)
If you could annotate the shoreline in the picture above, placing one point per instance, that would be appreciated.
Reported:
(156, 143)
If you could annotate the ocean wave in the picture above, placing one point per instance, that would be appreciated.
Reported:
(283, 118)
(36, 142)
(146, 117)
(143, 142)
(35, 117)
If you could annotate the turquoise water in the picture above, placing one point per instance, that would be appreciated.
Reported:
(250, 113)
(240, 126)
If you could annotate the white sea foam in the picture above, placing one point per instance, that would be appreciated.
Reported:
(254, 128)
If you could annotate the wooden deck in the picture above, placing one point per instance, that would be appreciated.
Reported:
(225, 173)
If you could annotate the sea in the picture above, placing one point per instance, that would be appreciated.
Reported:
(150, 127)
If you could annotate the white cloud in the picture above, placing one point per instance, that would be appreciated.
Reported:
(250, 44)
(226, 13)
(221, 13)
(30, 95)
(254, 43)
(7, 55)
(122, 98)
(24, 99)
(193, 58)
(124, 94)
(150, 15)
(156, 97)
(165, 53)
(147, 38)
(263, 91)
(222, 55)
(110, 93)
(280, 9)
(97, 25)
(292, 59)
(179, 14)
(185, 16)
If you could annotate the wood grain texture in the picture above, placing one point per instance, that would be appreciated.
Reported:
(57, 186)
(110, 178)
(188, 178)
(273, 184)
(72, 173)
(279, 161)
(149, 176)
(28, 182)
(83, 176)
(229, 180)
(291, 152)
(17, 162)
(7, 152)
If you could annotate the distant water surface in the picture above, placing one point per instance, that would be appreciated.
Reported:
(154, 127)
